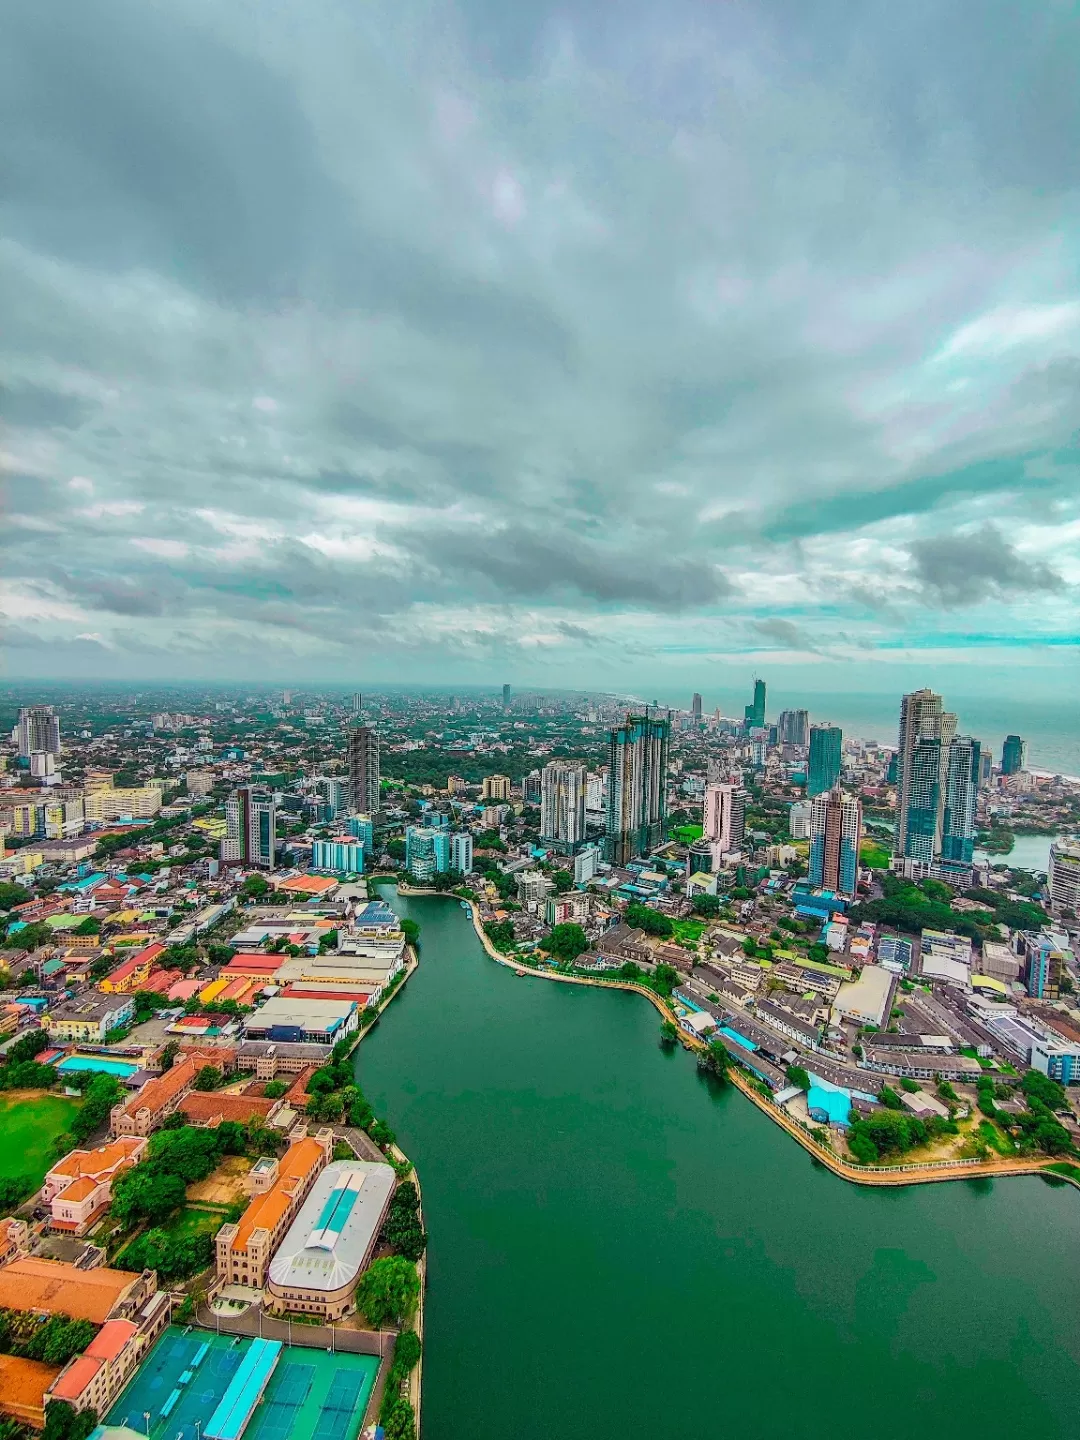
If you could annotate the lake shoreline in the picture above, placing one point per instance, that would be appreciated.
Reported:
(932, 1172)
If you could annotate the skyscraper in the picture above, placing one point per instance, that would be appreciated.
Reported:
(427, 851)
(835, 835)
(961, 795)
(755, 713)
(794, 728)
(357, 703)
(637, 786)
(250, 828)
(506, 697)
(562, 804)
(1013, 755)
(724, 817)
(926, 732)
(826, 758)
(495, 787)
(363, 761)
(695, 706)
(38, 730)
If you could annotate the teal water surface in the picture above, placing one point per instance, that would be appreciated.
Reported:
(618, 1249)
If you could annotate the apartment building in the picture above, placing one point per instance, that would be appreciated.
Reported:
(157, 1100)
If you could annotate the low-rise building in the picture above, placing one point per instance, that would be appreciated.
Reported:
(331, 1240)
(155, 1102)
(292, 1018)
(53, 1287)
(78, 1188)
(866, 1001)
(89, 1017)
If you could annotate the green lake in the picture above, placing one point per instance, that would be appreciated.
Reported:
(619, 1249)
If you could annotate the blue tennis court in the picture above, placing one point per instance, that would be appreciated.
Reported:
(194, 1380)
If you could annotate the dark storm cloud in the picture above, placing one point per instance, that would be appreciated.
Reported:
(965, 569)
(485, 319)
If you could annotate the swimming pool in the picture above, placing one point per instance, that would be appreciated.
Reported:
(103, 1063)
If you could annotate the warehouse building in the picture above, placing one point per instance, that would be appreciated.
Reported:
(331, 1240)
(303, 1021)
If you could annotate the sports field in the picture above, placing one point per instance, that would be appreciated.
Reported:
(29, 1122)
(311, 1395)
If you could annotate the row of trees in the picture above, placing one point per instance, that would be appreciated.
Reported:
(54, 1340)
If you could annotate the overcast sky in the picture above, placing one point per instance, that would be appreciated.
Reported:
(600, 344)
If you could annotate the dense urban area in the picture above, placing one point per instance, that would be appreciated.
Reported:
(196, 894)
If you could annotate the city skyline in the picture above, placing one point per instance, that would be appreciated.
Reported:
(516, 385)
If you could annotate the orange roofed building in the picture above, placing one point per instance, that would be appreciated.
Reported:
(155, 1102)
(280, 1187)
(53, 1287)
(23, 1387)
(95, 1378)
(78, 1188)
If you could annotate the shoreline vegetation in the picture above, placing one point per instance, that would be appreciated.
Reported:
(913, 1173)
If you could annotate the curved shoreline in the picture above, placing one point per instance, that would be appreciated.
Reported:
(932, 1172)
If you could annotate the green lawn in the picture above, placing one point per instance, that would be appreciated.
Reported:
(874, 855)
(195, 1219)
(687, 834)
(688, 932)
(995, 1138)
(28, 1127)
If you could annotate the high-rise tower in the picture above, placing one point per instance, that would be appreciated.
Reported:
(250, 828)
(755, 713)
(922, 760)
(1013, 755)
(637, 786)
(835, 835)
(562, 804)
(961, 796)
(826, 758)
(363, 762)
(38, 730)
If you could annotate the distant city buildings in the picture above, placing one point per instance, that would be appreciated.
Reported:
(695, 707)
(362, 758)
(637, 786)
(1013, 755)
(250, 829)
(562, 805)
(835, 836)
(826, 759)
(799, 819)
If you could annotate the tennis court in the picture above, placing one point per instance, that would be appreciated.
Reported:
(311, 1395)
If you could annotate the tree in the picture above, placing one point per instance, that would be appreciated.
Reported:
(27, 1046)
(64, 1422)
(411, 930)
(714, 1060)
(274, 1089)
(669, 1033)
(563, 881)
(103, 1092)
(396, 849)
(707, 906)
(798, 1076)
(144, 1193)
(254, 887)
(642, 918)
(90, 926)
(12, 895)
(208, 1078)
(665, 978)
(388, 1290)
(630, 971)
(566, 942)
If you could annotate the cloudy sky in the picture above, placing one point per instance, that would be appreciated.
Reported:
(599, 344)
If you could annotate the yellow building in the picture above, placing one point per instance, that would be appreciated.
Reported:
(211, 991)
(139, 803)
